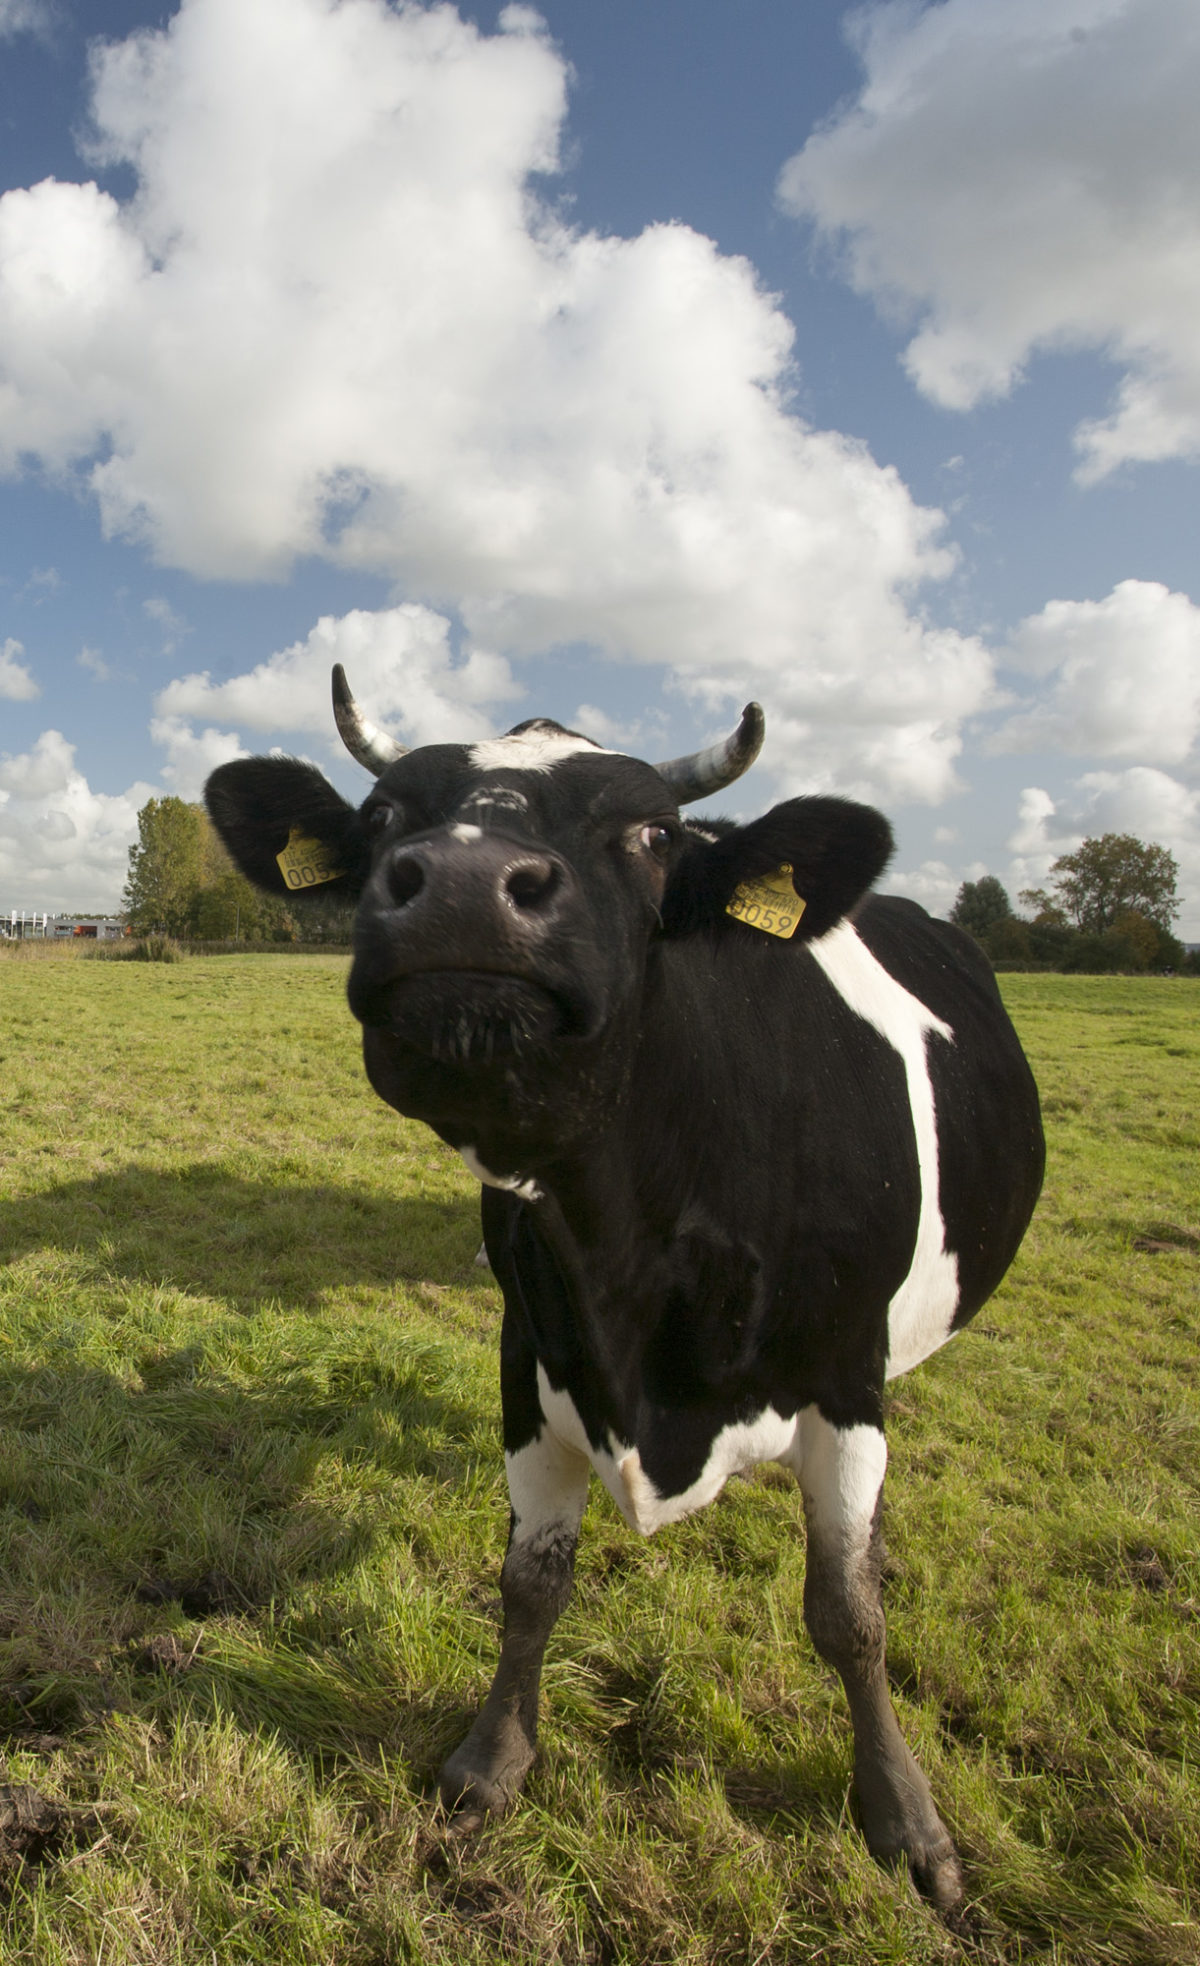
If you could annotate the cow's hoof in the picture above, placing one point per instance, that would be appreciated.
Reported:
(937, 1875)
(482, 1776)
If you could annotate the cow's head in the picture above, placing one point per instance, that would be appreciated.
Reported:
(510, 893)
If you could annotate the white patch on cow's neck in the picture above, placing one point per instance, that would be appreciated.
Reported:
(539, 749)
(921, 1313)
(517, 1184)
(735, 1449)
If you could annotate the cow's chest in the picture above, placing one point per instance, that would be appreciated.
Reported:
(634, 1474)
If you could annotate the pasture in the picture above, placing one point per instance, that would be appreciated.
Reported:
(253, 1513)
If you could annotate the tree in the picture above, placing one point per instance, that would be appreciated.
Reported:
(182, 882)
(1008, 940)
(166, 867)
(979, 904)
(1047, 912)
(1113, 876)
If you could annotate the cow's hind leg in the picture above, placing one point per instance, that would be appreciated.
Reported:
(841, 1472)
(547, 1484)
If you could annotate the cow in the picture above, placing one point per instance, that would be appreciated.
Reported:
(752, 1140)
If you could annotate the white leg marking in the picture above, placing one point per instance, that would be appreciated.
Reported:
(744, 1444)
(840, 1470)
(547, 1486)
(922, 1311)
(516, 1184)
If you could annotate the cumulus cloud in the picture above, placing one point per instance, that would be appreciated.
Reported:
(171, 626)
(1140, 800)
(16, 681)
(62, 845)
(192, 754)
(1122, 676)
(400, 663)
(336, 319)
(1025, 175)
(28, 16)
(933, 883)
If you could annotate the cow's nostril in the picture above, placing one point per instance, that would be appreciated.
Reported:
(406, 878)
(531, 883)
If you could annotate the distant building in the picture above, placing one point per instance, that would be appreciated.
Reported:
(24, 925)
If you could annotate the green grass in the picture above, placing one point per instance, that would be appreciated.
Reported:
(253, 1512)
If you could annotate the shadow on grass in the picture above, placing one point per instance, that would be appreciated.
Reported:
(124, 1512)
(207, 1230)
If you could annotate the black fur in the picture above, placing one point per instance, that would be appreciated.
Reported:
(255, 803)
(835, 849)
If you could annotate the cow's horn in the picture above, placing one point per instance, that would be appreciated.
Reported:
(363, 739)
(710, 771)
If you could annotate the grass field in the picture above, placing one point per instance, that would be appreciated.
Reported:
(252, 1505)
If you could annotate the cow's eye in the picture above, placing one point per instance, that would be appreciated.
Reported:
(657, 840)
(379, 818)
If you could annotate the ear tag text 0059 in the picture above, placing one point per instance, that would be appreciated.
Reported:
(306, 863)
(769, 903)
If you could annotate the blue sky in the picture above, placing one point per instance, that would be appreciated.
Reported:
(613, 363)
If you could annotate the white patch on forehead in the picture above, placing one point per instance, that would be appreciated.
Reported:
(499, 798)
(466, 833)
(539, 749)
(515, 1184)
(921, 1313)
(736, 1448)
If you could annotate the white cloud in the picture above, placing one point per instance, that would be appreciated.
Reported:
(1025, 175)
(62, 845)
(335, 320)
(1123, 676)
(16, 681)
(172, 626)
(934, 884)
(1140, 800)
(92, 660)
(17, 16)
(400, 665)
(192, 754)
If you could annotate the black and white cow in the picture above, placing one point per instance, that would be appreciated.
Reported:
(734, 1178)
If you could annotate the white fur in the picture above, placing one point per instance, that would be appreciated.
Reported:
(517, 1184)
(841, 1471)
(547, 1486)
(501, 798)
(466, 834)
(743, 1445)
(532, 750)
(921, 1313)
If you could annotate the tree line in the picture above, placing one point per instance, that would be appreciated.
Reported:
(1108, 906)
(183, 883)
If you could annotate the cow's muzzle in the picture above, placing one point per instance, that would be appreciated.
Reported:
(463, 906)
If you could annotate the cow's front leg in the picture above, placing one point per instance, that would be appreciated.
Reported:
(841, 1472)
(547, 1485)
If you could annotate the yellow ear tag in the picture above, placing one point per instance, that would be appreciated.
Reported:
(770, 903)
(306, 863)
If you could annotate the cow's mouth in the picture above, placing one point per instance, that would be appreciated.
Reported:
(461, 1017)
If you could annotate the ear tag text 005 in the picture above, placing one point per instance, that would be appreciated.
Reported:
(306, 863)
(769, 903)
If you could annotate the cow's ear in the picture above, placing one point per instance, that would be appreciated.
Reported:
(287, 829)
(833, 848)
